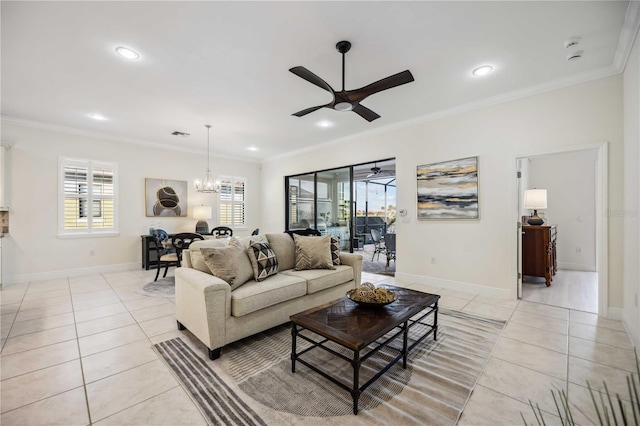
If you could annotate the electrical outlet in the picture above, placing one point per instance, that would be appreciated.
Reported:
(433, 260)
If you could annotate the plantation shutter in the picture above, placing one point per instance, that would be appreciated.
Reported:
(88, 197)
(232, 201)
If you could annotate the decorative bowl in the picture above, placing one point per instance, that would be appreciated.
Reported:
(350, 293)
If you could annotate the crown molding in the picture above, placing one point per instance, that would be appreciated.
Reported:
(461, 109)
(627, 35)
(99, 135)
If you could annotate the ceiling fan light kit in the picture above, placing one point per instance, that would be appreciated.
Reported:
(349, 100)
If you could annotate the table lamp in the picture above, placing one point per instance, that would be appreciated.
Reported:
(202, 213)
(535, 199)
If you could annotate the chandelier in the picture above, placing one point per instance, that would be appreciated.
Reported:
(207, 185)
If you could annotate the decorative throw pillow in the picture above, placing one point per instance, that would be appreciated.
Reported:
(263, 260)
(335, 250)
(229, 263)
(313, 252)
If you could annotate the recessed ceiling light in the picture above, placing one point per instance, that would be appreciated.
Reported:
(324, 123)
(483, 70)
(98, 117)
(127, 53)
(252, 148)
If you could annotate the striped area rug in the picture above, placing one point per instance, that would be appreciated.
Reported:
(433, 389)
(217, 401)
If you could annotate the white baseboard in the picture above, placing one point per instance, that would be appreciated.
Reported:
(576, 267)
(456, 285)
(64, 273)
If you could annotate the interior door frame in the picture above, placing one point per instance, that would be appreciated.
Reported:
(602, 220)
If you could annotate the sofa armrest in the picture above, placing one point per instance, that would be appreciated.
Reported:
(203, 305)
(355, 261)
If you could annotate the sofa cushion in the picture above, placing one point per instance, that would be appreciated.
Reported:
(313, 252)
(254, 295)
(335, 250)
(195, 256)
(247, 241)
(263, 260)
(284, 248)
(320, 279)
(229, 263)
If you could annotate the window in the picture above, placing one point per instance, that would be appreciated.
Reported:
(232, 201)
(87, 197)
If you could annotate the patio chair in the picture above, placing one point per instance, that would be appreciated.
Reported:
(378, 243)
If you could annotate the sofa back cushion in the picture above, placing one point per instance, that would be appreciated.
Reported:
(285, 250)
(247, 241)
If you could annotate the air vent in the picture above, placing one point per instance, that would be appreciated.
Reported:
(575, 56)
(183, 134)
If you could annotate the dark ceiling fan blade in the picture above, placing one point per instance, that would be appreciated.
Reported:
(302, 72)
(365, 112)
(395, 80)
(308, 110)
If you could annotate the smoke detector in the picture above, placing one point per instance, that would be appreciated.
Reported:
(572, 42)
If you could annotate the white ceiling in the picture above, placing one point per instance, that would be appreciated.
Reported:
(226, 63)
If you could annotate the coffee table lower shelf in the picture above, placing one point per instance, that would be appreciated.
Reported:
(401, 330)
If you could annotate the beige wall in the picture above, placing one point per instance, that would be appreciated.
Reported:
(476, 253)
(33, 249)
(631, 192)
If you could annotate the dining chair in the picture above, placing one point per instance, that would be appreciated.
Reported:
(378, 243)
(222, 232)
(182, 242)
(166, 255)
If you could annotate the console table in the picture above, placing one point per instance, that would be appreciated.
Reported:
(539, 251)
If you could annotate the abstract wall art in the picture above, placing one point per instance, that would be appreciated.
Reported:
(448, 190)
(164, 197)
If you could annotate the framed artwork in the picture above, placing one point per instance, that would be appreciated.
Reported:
(164, 197)
(448, 190)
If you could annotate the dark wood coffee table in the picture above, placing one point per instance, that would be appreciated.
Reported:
(340, 322)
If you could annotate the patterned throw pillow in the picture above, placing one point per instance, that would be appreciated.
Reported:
(263, 260)
(335, 250)
(313, 252)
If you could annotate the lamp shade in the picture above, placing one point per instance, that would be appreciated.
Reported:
(202, 212)
(535, 199)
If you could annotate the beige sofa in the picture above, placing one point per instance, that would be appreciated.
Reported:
(217, 315)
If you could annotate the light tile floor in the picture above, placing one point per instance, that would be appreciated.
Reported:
(77, 351)
(569, 289)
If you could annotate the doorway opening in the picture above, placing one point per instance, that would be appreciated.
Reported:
(563, 262)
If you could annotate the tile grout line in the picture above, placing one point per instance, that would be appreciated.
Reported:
(14, 318)
(484, 367)
(84, 381)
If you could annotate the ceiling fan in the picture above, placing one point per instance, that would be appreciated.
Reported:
(378, 172)
(349, 100)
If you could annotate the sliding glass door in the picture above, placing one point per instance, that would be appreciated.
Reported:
(345, 202)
